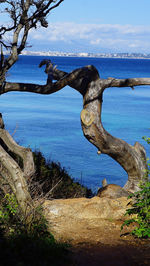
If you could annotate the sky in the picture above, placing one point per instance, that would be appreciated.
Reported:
(97, 26)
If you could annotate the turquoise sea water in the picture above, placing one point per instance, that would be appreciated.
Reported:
(51, 123)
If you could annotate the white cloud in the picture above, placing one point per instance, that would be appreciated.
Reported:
(95, 36)
(96, 41)
(92, 37)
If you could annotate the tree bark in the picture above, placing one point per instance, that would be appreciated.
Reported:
(131, 158)
(86, 81)
(13, 175)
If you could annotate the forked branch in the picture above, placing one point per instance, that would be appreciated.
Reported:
(86, 80)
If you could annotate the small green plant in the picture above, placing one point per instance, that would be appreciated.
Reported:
(9, 212)
(27, 244)
(9, 206)
(12, 221)
(140, 209)
(147, 140)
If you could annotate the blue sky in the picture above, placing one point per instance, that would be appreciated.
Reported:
(135, 12)
(96, 26)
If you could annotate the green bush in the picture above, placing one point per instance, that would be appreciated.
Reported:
(140, 207)
(52, 181)
(32, 244)
(24, 244)
(12, 222)
(9, 214)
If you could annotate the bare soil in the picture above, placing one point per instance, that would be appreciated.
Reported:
(92, 228)
(105, 246)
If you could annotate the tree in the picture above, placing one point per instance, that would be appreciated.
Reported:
(24, 16)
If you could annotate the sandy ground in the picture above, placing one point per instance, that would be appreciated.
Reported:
(106, 247)
(92, 228)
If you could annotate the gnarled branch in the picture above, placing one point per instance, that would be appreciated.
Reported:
(10, 171)
(24, 153)
(86, 80)
(24, 15)
(131, 82)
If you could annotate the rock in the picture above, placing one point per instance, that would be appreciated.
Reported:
(104, 182)
(112, 191)
(80, 218)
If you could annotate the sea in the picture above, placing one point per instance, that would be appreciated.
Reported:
(51, 123)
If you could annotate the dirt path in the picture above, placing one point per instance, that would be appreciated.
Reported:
(92, 227)
(107, 255)
(108, 248)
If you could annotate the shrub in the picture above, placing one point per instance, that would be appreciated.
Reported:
(9, 214)
(52, 181)
(24, 244)
(12, 222)
(140, 207)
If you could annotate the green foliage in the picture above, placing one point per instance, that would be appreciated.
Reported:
(147, 139)
(9, 206)
(9, 213)
(27, 244)
(140, 209)
(12, 221)
(32, 243)
(53, 181)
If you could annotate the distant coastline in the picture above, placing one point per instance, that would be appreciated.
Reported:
(90, 55)
(95, 55)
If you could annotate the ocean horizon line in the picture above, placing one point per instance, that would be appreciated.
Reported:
(86, 55)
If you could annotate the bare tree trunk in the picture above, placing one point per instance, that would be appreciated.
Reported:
(86, 81)
(131, 158)
(24, 16)
(13, 175)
